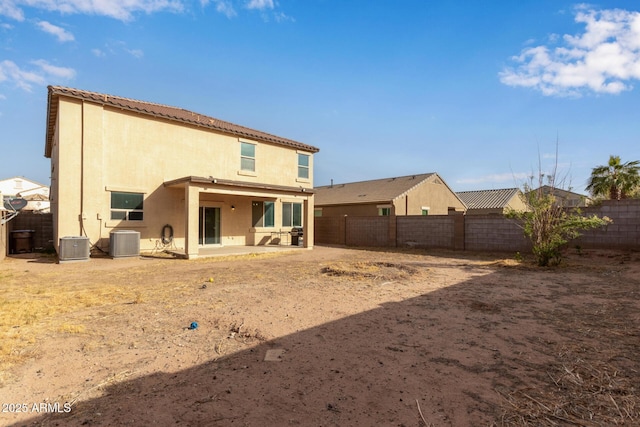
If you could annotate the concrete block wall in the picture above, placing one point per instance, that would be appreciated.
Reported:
(432, 231)
(368, 231)
(623, 233)
(41, 224)
(494, 233)
(330, 230)
(476, 232)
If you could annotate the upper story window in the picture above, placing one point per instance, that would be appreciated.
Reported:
(303, 166)
(247, 157)
(425, 210)
(384, 211)
(127, 206)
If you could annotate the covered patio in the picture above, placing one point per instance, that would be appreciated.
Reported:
(223, 217)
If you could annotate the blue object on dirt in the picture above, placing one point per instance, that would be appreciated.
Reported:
(194, 325)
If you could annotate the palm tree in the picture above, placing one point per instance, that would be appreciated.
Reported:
(616, 180)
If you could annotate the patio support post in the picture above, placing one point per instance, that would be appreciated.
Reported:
(191, 209)
(308, 222)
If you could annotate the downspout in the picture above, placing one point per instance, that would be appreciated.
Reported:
(81, 217)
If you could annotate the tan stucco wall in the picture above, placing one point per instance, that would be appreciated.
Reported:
(517, 204)
(4, 239)
(437, 197)
(98, 150)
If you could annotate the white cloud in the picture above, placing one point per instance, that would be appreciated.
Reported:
(62, 34)
(10, 10)
(224, 7)
(281, 17)
(499, 177)
(116, 47)
(605, 58)
(118, 9)
(9, 71)
(135, 52)
(54, 71)
(125, 10)
(260, 4)
(25, 79)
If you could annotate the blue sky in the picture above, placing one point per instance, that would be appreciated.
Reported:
(475, 91)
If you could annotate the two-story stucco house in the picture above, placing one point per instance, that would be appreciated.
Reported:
(123, 164)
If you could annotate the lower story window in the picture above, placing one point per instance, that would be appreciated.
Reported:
(263, 214)
(127, 206)
(292, 214)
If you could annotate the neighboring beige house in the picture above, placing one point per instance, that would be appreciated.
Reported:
(122, 164)
(566, 198)
(424, 194)
(36, 194)
(483, 202)
(13, 187)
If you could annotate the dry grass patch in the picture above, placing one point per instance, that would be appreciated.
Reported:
(369, 270)
(35, 310)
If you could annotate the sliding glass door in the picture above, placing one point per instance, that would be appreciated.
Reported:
(209, 228)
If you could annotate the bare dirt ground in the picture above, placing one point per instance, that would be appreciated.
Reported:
(329, 337)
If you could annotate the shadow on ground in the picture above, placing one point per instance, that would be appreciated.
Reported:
(451, 357)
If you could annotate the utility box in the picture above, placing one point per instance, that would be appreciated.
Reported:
(124, 243)
(21, 241)
(74, 248)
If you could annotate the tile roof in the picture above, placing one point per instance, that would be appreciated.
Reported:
(488, 199)
(559, 192)
(378, 190)
(162, 111)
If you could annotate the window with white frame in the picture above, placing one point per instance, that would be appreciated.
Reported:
(303, 166)
(127, 206)
(292, 214)
(247, 156)
(384, 211)
(425, 210)
(263, 214)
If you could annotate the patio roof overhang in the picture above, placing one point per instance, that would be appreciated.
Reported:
(227, 186)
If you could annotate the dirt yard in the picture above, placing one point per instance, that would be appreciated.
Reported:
(329, 337)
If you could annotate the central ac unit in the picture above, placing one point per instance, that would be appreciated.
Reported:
(124, 243)
(73, 248)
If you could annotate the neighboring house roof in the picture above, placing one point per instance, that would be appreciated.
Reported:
(488, 199)
(559, 192)
(162, 111)
(375, 191)
(18, 184)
